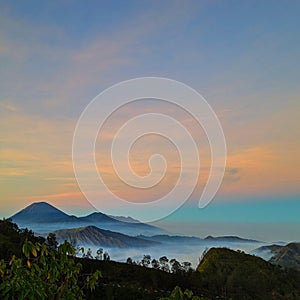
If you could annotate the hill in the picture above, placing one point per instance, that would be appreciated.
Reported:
(93, 236)
(243, 276)
(287, 256)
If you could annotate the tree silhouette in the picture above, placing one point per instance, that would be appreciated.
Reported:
(129, 261)
(99, 254)
(164, 264)
(175, 266)
(106, 256)
(145, 262)
(155, 264)
(51, 240)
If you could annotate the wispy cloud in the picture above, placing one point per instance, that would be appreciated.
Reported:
(248, 73)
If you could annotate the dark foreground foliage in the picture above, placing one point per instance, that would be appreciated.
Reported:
(12, 239)
(43, 271)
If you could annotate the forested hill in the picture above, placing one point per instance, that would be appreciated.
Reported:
(238, 274)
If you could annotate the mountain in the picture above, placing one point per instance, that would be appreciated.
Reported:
(119, 224)
(41, 212)
(94, 236)
(173, 239)
(287, 256)
(229, 238)
(41, 217)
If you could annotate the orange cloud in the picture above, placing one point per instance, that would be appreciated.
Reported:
(257, 170)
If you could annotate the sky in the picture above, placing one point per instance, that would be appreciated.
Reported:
(243, 57)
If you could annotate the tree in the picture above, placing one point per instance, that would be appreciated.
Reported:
(12, 239)
(145, 262)
(88, 254)
(164, 264)
(51, 240)
(99, 254)
(129, 261)
(175, 266)
(44, 274)
(106, 256)
(187, 266)
(155, 263)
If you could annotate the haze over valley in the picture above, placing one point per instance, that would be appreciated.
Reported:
(133, 239)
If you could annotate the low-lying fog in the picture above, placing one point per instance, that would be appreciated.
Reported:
(181, 253)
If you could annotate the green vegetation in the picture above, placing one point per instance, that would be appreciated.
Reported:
(131, 281)
(41, 270)
(287, 256)
(163, 263)
(45, 274)
(178, 294)
(238, 275)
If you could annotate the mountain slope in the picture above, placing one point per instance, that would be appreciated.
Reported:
(243, 276)
(41, 212)
(93, 236)
(110, 223)
(287, 256)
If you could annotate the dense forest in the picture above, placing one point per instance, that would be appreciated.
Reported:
(36, 268)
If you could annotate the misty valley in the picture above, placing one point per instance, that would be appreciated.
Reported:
(123, 239)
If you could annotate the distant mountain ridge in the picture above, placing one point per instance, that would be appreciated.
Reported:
(42, 217)
(192, 240)
(94, 236)
(230, 238)
(173, 239)
(125, 219)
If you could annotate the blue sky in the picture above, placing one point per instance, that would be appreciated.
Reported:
(243, 57)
